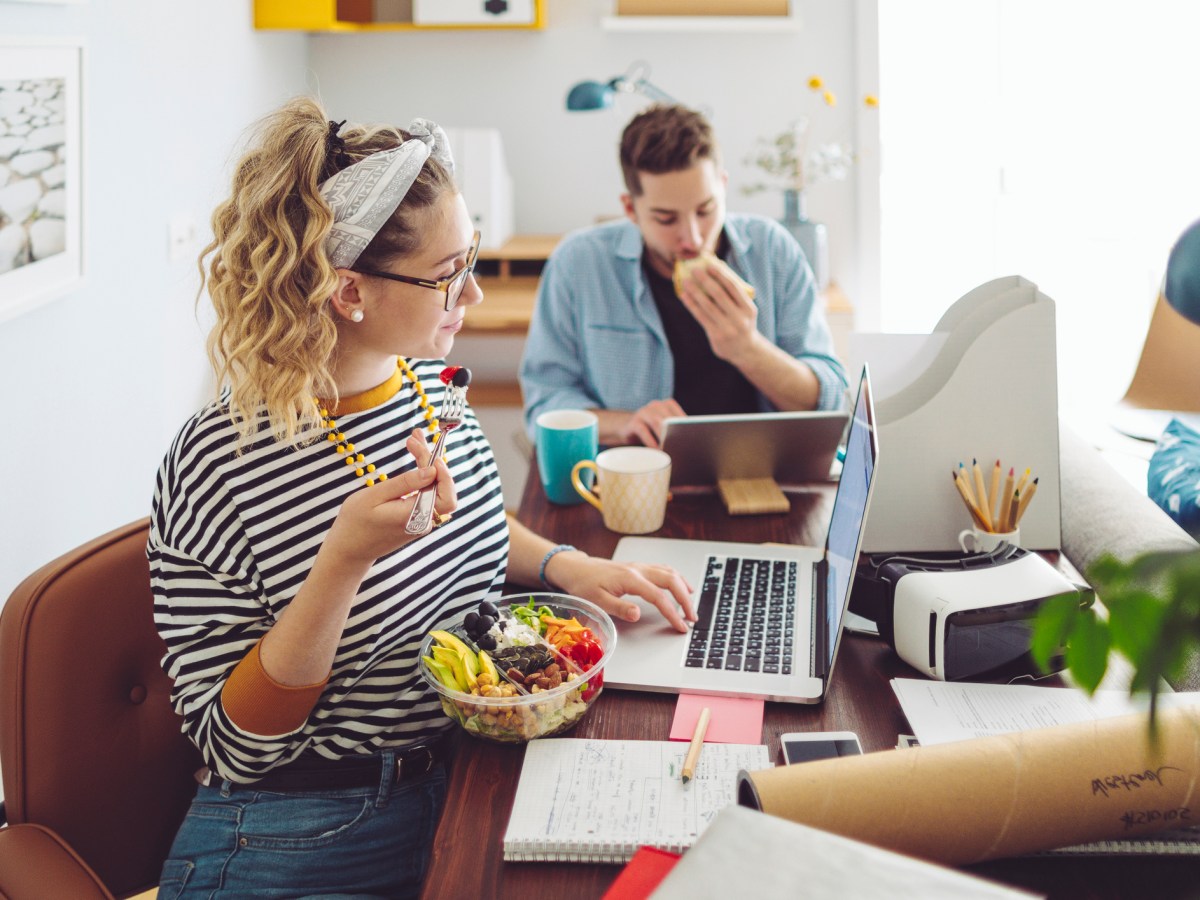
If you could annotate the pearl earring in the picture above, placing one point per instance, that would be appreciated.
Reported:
(356, 316)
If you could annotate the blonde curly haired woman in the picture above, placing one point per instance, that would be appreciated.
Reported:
(291, 598)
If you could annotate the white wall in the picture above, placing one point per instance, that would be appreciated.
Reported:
(1053, 140)
(97, 382)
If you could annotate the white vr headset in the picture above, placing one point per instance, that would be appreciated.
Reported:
(970, 617)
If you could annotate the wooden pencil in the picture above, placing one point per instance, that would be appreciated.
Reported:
(693, 754)
(1003, 509)
(982, 494)
(993, 501)
(1025, 498)
(1024, 481)
(966, 480)
(1013, 507)
(961, 484)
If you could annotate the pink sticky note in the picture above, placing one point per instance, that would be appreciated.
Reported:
(733, 720)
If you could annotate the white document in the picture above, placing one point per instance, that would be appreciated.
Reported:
(751, 854)
(940, 712)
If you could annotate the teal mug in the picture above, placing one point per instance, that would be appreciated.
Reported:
(564, 437)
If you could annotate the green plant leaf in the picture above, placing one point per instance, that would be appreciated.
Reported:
(1106, 570)
(1053, 622)
(1087, 650)
(1135, 621)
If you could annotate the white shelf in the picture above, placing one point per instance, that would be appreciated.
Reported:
(724, 24)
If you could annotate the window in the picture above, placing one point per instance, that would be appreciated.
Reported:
(1054, 140)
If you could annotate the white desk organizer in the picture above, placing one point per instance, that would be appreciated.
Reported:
(982, 385)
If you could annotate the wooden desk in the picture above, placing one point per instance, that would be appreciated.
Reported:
(468, 857)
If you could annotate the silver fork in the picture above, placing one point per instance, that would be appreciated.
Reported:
(453, 406)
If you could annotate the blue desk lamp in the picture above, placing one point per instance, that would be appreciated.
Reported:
(599, 95)
(1182, 287)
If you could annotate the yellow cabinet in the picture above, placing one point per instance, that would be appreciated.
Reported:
(394, 15)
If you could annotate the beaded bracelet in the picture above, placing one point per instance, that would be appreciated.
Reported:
(546, 561)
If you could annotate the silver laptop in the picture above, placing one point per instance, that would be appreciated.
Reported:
(791, 447)
(771, 617)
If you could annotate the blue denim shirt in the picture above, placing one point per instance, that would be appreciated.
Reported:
(597, 341)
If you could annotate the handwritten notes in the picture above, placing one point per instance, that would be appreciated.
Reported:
(598, 801)
(1145, 789)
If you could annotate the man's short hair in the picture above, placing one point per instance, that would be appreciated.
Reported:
(665, 138)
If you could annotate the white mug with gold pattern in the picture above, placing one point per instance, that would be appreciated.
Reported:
(633, 482)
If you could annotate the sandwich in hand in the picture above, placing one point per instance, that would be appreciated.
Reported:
(683, 267)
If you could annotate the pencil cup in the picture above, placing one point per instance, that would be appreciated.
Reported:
(634, 482)
(976, 540)
(564, 437)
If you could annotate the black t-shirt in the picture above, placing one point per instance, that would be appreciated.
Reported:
(704, 384)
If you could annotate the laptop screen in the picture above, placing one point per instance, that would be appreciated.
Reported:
(849, 514)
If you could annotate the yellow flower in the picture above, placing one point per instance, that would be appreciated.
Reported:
(871, 100)
(830, 99)
(816, 83)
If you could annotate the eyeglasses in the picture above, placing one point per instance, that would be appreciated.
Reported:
(452, 287)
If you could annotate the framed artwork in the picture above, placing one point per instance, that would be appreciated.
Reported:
(41, 168)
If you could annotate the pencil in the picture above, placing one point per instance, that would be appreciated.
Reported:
(1025, 501)
(961, 484)
(983, 497)
(966, 482)
(1024, 481)
(1002, 511)
(994, 494)
(693, 754)
(1014, 507)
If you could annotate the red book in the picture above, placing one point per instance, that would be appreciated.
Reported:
(642, 874)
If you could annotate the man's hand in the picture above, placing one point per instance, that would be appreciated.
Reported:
(605, 582)
(725, 312)
(645, 425)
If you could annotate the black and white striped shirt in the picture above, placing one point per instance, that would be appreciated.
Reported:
(233, 537)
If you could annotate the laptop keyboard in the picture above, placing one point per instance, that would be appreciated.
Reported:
(746, 616)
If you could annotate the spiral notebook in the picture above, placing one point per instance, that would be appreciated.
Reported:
(598, 801)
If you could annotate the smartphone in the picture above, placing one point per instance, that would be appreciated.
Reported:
(805, 746)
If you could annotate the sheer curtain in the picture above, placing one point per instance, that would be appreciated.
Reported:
(1054, 139)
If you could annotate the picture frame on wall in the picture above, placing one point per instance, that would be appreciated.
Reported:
(41, 171)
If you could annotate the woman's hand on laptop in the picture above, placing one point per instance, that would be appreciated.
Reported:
(606, 583)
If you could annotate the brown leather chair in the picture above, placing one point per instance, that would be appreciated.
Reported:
(97, 774)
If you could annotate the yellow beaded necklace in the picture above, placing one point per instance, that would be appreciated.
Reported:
(368, 400)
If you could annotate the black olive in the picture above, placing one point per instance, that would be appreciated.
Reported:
(486, 642)
(501, 624)
(470, 620)
(486, 622)
(487, 608)
(462, 377)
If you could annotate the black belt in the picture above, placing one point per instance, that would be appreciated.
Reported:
(310, 772)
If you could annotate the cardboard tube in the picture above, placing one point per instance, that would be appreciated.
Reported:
(999, 796)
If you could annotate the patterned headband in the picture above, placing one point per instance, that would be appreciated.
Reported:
(364, 196)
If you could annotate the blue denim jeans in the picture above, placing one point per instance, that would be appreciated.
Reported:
(367, 842)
